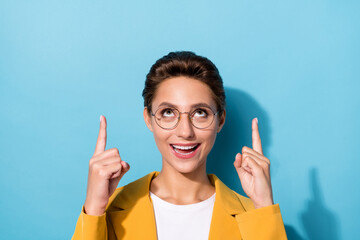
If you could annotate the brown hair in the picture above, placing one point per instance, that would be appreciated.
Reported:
(184, 63)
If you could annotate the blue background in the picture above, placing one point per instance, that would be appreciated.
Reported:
(293, 64)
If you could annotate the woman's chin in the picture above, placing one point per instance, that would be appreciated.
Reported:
(188, 167)
(186, 170)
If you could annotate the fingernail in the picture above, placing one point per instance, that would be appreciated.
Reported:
(257, 121)
(100, 117)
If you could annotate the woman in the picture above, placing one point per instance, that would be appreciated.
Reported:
(184, 103)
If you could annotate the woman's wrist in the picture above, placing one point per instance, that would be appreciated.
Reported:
(264, 204)
(93, 210)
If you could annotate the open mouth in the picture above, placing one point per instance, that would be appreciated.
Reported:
(185, 150)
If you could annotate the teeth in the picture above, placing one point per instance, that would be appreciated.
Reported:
(184, 147)
(183, 153)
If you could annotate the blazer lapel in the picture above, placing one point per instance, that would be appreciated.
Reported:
(132, 214)
(227, 205)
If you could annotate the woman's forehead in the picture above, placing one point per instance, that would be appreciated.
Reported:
(183, 92)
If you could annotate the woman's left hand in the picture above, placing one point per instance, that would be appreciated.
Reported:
(253, 169)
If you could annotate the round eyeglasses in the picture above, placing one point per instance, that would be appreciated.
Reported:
(169, 117)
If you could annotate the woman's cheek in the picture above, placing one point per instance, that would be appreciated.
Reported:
(160, 142)
(209, 144)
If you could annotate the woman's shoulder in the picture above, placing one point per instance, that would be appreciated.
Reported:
(229, 196)
(126, 195)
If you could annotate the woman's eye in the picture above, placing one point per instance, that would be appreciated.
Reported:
(168, 113)
(200, 113)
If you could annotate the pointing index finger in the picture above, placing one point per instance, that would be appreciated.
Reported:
(256, 141)
(101, 140)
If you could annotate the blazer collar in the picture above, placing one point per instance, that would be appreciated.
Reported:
(134, 192)
(227, 205)
(140, 190)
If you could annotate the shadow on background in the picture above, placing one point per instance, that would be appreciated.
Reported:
(318, 221)
(241, 109)
(292, 234)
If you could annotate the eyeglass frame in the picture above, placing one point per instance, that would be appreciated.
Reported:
(179, 118)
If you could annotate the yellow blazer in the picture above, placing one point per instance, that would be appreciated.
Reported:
(130, 215)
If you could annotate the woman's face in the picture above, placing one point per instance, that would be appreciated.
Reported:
(184, 93)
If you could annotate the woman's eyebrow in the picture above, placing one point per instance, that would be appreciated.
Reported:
(167, 104)
(192, 106)
(200, 105)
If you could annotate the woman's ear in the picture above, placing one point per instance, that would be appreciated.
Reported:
(222, 120)
(147, 118)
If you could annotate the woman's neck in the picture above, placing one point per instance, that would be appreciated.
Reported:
(182, 188)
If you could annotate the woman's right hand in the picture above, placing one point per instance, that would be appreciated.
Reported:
(105, 171)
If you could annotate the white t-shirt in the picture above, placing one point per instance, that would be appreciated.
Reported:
(179, 222)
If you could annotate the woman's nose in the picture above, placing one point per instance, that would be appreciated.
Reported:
(185, 129)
